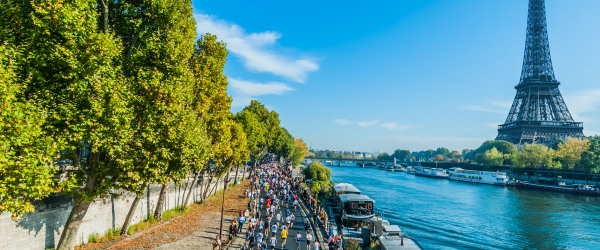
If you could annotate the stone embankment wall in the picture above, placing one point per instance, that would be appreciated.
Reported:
(41, 229)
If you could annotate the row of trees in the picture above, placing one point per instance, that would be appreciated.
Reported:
(572, 154)
(127, 95)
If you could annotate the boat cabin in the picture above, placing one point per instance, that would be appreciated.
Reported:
(356, 207)
(345, 188)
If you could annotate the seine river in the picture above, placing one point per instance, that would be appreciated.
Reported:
(443, 214)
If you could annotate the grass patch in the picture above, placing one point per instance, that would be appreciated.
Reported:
(93, 237)
(174, 212)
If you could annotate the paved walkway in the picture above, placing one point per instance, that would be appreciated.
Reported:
(298, 226)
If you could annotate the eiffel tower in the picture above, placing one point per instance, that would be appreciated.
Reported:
(538, 113)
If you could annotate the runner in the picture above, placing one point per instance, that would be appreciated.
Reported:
(308, 240)
(273, 242)
(298, 240)
(284, 234)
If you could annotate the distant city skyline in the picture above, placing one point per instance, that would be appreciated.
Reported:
(414, 75)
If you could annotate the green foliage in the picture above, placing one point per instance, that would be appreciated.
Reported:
(401, 155)
(503, 147)
(318, 171)
(492, 157)
(590, 159)
(93, 237)
(533, 156)
(174, 212)
(351, 244)
(384, 157)
(26, 148)
(570, 152)
(300, 150)
(442, 151)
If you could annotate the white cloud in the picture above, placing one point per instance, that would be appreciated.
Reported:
(394, 126)
(367, 123)
(583, 102)
(244, 91)
(257, 50)
(248, 88)
(342, 121)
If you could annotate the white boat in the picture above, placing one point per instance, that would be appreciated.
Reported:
(485, 177)
(436, 173)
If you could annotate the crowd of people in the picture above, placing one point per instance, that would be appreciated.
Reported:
(275, 196)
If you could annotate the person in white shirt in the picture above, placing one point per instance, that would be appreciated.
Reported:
(308, 240)
(273, 242)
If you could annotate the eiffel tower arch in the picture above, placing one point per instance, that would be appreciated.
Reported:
(538, 113)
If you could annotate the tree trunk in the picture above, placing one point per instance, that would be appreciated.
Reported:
(237, 169)
(187, 183)
(105, 15)
(223, 207)
(214, 190)
(187, 199)
(69, 234)
(136, 201)
(160, 203)
(205, 192)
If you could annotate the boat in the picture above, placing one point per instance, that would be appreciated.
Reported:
(436, 173)
(345, 188)
(485, 177)
(356, 208)
(561, 187)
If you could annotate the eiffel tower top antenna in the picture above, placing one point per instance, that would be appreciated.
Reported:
(537, 63)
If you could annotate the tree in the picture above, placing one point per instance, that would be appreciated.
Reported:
(438, 157)
(27, 151)
(504, 147)
(442, 151)
(590, 158)
(300, 150)
(159, 39)
(570, 152)
(492, 157)
(316, 170)
(533, 156)
(73, 71)
(401, 154)
(383, 157)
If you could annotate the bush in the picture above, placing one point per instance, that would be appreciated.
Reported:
(351, 244)
(318, 171)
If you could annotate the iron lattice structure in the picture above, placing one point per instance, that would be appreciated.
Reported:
(538, 113)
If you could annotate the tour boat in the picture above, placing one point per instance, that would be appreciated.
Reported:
(486, 177)
(437, 173)
(561, 187)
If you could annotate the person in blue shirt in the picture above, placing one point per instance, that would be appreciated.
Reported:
(242, 219)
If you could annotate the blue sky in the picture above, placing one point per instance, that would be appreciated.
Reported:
(412, 74)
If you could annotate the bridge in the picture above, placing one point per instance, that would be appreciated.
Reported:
(361, 161)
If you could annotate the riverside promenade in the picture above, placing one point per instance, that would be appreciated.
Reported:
(302, 224)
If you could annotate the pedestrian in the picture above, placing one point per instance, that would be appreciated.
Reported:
(241, 220)
(330, 231)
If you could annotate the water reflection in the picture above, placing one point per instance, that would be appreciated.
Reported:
(444, 214)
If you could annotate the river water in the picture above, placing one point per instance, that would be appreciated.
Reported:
(444, 214)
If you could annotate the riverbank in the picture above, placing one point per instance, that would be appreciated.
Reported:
(195, 229)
